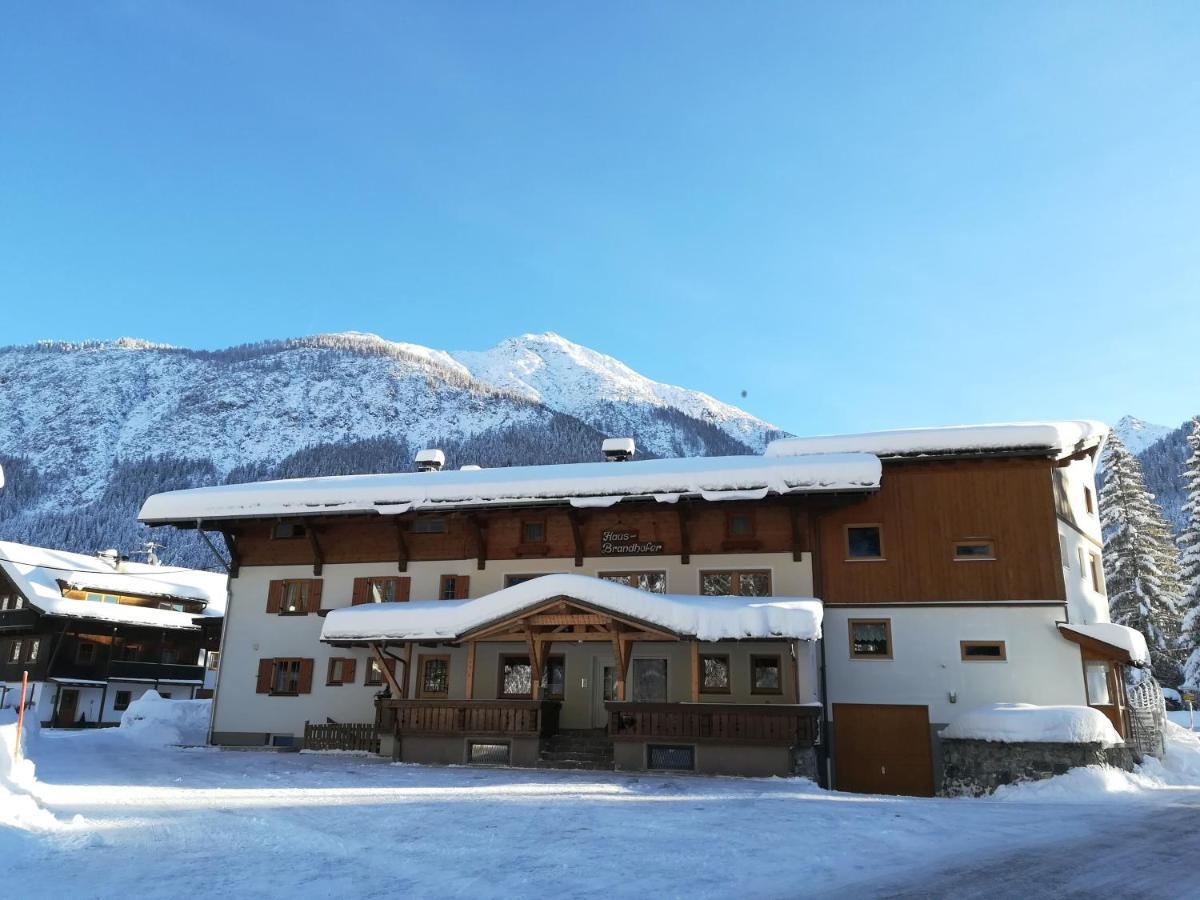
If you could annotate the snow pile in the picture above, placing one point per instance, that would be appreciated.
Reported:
(1012, 723)
(706, 618)
(711, 477)
(18, 809)
(1179, 768)
(1124, 638)
(1060, 438)
(151, 719)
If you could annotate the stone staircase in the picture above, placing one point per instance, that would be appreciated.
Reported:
(585, 748)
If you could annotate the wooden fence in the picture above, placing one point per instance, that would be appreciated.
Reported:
(338, 736)
(717, 723)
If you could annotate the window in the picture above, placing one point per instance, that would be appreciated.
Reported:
(287, 531)
(383, 590)
(516, 677)
(374, 672)
(341, 670)
(170, 656)
(983, 651)
(870, 638)
(650, 681)
(294, 601)
(285, 676)
(1066, 557)
(427, 525)
(654, 582)
(1095, 674)
(453, 587)
(740, 529)
(480, 754)
(131, 652)
(974, 548)
(214, 660)
(714, 673)
(735, 583)
(1082, 564)
(434, 677)
(669, 758)
(14, 652)
(554, 681)
(533, 531)
(766, 675)
(121, 700)
(510, 580)
(85, 653)
(1097, 575)
(31, 652)
(1089, 501)
(864, 542)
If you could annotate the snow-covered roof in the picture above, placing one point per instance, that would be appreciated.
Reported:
(1012, 723)
(705, 618)
(1051, 438)
(581, 484)
(41, 574)
(1128, 641)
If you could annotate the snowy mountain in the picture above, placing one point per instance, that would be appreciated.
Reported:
(1161, 450)
(1138, 435)
(88, 430)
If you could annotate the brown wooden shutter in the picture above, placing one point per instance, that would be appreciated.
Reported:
(348, 667)
(314, 595)
(403, 586)
(359, 595)
(306, 672)
(265, 669)
(462, 587)
(274, 597)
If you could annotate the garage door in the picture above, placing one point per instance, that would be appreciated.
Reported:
(882, 749)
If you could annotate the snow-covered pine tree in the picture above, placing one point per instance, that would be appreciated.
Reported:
(1189, 559)
(1140, 562)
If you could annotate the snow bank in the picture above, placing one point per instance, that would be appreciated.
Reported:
(1060, 438)
(1022, 722)
(151, 719)
(18, 809)
(1124, 638)
(706, 618)
(714, 478)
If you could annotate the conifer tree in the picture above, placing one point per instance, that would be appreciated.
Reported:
(1140, 563)
(1189, 559)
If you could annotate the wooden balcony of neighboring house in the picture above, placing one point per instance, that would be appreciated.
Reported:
(151, 671)
(19, 619)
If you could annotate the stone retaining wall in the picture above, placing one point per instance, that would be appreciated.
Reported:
(975, 768)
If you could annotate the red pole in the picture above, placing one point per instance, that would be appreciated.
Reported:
(21, 714)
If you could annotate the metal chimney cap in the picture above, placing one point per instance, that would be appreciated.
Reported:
(430, 460)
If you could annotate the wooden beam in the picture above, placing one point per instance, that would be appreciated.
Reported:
(621, 657)
(235, 554)
(569, 619)
(480, 530)
(318, 556)
(695, 671)
(470, 689)
(576, 533)
(801, 532)
(685, 546)
(401, 547)
(535, 668)
(388, 676)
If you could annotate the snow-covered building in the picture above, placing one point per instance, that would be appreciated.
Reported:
(94, 633)
(829, 605)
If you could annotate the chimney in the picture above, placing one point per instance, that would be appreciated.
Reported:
(618, 449)
(430, 460)
(112, 557)
(470, 468)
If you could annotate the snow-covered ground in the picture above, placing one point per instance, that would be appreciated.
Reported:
(133, 819)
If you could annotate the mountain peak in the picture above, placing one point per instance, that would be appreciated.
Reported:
(1137, 434)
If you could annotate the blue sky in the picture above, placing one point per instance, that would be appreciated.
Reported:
(863, 215)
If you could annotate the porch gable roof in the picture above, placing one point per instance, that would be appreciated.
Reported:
(700, 617)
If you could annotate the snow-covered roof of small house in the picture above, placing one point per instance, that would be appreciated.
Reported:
(1128, 644)
(705, 618)
(1059, 439)
(41, 575)
(581, 484)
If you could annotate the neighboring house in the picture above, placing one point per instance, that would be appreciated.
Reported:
(954, 567)
(94, 633)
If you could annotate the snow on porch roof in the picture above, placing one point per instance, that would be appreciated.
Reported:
(1128, 644)
(705, 618)
(581, 484)
(1059, 439)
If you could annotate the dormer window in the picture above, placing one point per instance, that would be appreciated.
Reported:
(533, 531)
(287, 531)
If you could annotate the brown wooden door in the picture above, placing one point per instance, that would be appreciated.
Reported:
(68, 705)
(882, 749)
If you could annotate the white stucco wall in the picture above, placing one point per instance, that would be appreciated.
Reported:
(1085, 605)
(926, 666)
(252, 634)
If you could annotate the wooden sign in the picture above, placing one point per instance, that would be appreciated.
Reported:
(626, 543)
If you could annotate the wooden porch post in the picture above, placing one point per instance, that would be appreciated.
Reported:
(695, 671)
(535, 664)
(470, 694)
(621, 655)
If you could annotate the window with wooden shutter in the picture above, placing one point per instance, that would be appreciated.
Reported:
(380, 589)
(454, 587)
(375, 673)
(306, 673)
(266, 668)
(341, 670)
(274, 597)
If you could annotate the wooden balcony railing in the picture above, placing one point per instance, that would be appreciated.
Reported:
(491, 718)
(717, 723)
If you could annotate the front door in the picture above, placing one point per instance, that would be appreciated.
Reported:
(603, 681)
(68, 705)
